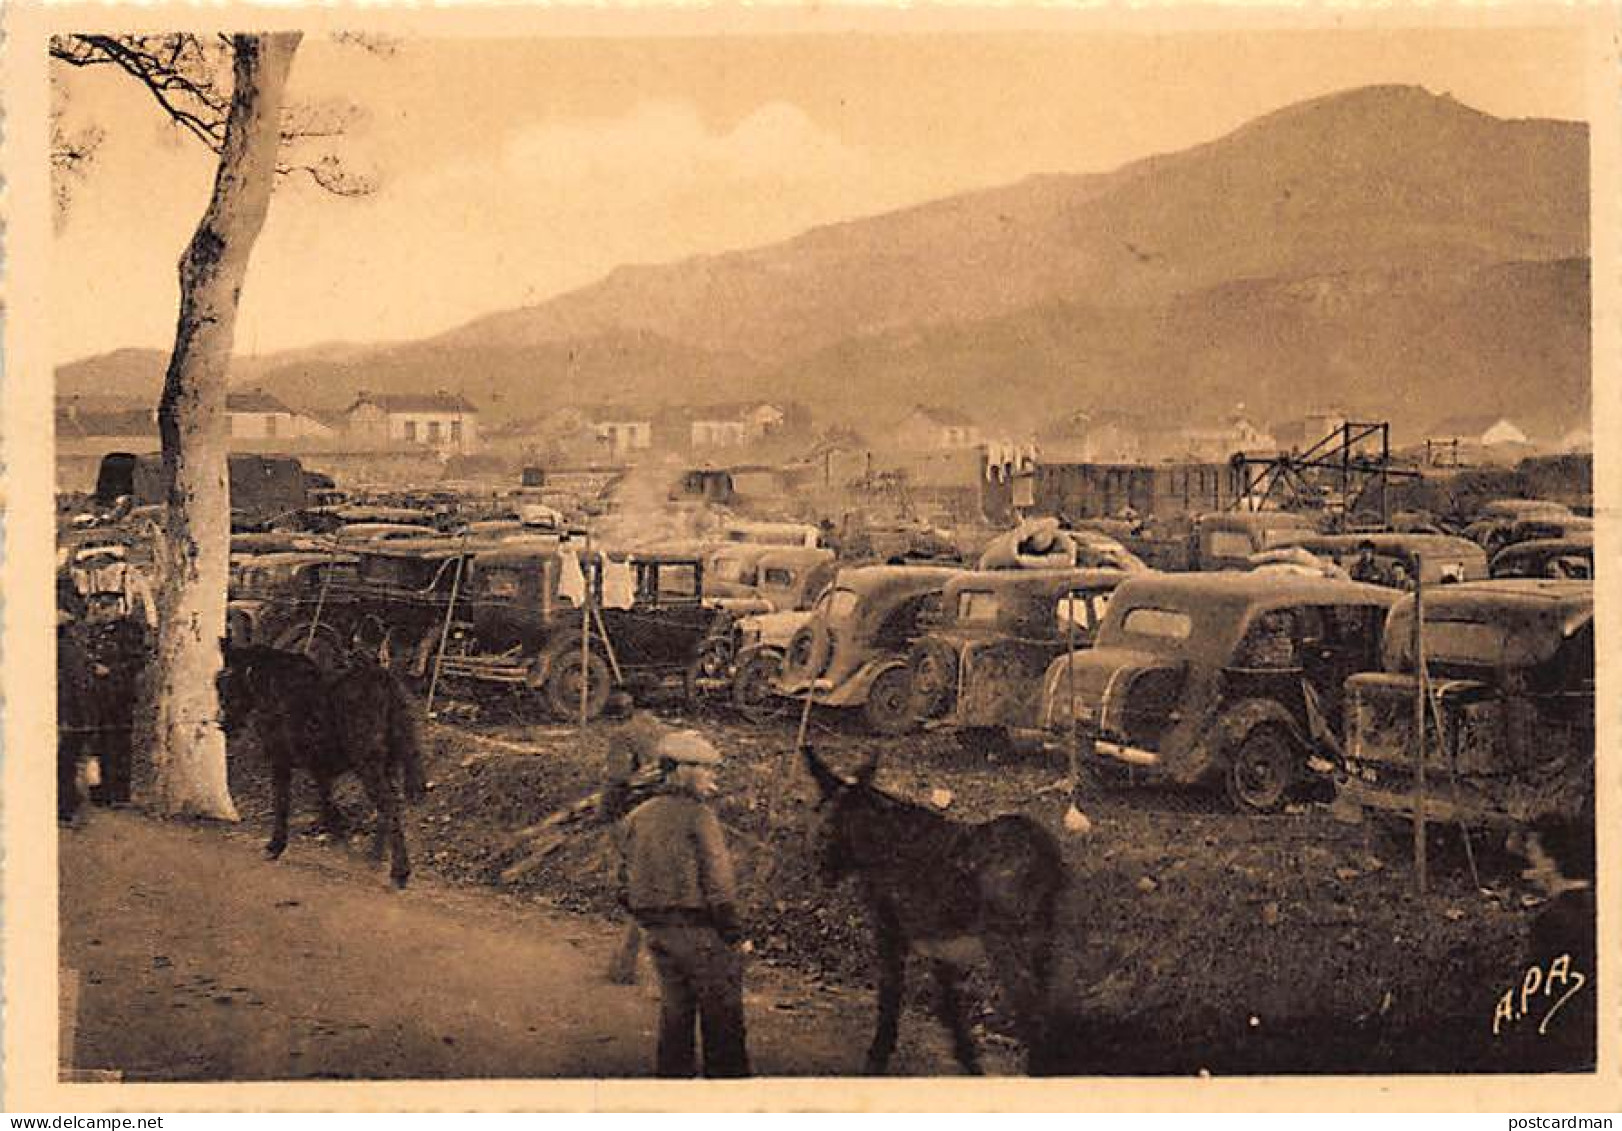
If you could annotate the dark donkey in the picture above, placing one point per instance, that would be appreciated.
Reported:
(948, 891)
(356, 721)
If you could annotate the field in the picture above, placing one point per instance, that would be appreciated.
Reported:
(1191, 938)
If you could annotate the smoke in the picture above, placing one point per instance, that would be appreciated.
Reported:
(650, 511)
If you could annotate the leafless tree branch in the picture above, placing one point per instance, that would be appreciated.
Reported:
(189, 77)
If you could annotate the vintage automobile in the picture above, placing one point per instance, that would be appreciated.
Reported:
(1511, 670)
(980, 671)
(520, 626)
(1559, 558)
(383, 604)
(1442, 557)
(791, 582)
(1494, 525)
(1233, 677)
(1227, 539)
(277, 542)
(853, 650)
(272, 594)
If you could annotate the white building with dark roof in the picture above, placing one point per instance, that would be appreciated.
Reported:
(442, 421)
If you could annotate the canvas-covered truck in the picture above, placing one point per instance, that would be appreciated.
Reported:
(1511, 738)
(263, 488)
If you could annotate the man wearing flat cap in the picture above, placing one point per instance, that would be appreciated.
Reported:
(679, 886)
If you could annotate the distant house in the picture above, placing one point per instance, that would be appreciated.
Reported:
(1094, 437)
(622, 432)
(707, 432)
(256, 415)
(1304, 432)
(1478, 431)
(936, 429)
(732, 425)
(1238, 434)
(439, 421)
(89, 418)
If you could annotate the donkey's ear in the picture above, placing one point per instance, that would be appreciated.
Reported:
(827, 781)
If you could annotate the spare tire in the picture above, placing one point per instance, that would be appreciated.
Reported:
(808, 653)
(934, 665)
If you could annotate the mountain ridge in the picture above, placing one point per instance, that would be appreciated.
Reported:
(1387, 186)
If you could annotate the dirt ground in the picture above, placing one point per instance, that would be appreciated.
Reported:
(1191, 938)
(188, 957)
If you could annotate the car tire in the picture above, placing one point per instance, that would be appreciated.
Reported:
(708, 670)
(754, 694)
(1262, 770)
(563, 685)
(808, 653)
(888, 709)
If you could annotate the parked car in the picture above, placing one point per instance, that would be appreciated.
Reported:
(980, 672)
(853, 651)
(1511, 666)
(384, 604)
(789, 582)
(1494, 525)
(521, 627)
(1560, 558)
(272, 594)
(1226, 540)
(1234, 678)
(1442, 557)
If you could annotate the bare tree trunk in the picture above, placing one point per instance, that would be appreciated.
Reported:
(185, 741)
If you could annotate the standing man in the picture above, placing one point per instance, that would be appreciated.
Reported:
(680, 888)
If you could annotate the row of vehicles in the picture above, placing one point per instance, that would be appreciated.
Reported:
(1255, 680)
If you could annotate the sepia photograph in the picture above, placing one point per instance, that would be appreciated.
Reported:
(817, 547)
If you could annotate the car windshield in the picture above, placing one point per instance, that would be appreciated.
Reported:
(977, 606)
(842, 603)
(777, 576)
(1158, 624)
(1228, 544)
(728, 569)
(1466, 642)
(678, 581)
(1081, 610)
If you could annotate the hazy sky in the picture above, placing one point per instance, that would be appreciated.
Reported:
(511, 170)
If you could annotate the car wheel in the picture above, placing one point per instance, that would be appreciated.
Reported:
(708, 671)
(1262, 771)
(563, 685)
(807, 653)
(753, 689)
(888, 709)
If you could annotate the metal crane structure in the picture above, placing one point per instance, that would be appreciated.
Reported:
(1343, 466)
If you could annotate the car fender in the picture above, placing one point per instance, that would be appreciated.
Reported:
(1234, 724)
(854, 691)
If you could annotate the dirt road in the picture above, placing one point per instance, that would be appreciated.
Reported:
(195, 959)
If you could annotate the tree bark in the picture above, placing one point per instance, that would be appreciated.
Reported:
(185, 741)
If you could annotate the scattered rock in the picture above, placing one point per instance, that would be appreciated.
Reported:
(1270, 914)
(940, 798)
(1347, 873)
(1147, 885)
